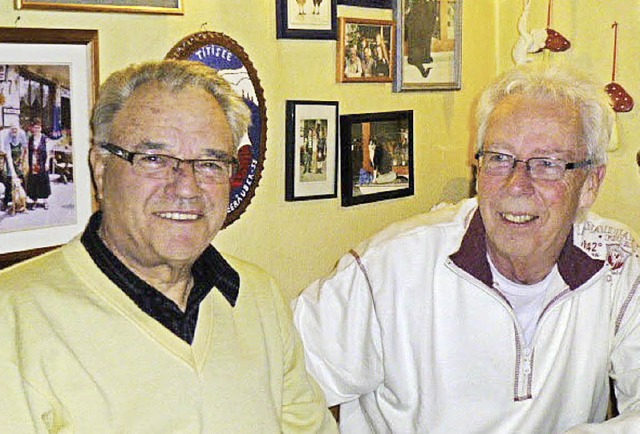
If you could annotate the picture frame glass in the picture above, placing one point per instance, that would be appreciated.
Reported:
(55, 83)
(366, 50)
(377, 157)
(306, 19)
(429, 45)
(312, 150)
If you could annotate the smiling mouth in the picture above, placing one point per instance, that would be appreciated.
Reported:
(518, 218)
(178, 216)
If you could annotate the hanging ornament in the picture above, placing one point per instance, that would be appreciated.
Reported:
(621, 101)
(555, 42)
(529, 41)
(2, 99)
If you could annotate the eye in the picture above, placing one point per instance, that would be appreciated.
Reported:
(210, 166)
(496, 157)
(547, 163)
(152, 160)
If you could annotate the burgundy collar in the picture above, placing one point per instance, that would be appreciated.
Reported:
(574, 265)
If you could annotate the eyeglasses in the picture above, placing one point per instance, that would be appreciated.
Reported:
(544, 168)
(160, 166)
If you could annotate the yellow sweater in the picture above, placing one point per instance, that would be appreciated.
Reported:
(78, 356)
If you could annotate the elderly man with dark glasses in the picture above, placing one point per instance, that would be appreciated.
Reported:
(511, 312)
(140, 325)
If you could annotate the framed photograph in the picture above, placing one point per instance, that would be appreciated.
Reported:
(312, 150)
(50, 75)
(365, 50)
(429, 45)
(173, 7)
(226, 56)
(376, 156)
(302, 19)
(380, 4)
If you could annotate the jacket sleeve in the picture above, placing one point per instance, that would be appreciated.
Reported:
(304, 409)
(337, 320)
(625, 366)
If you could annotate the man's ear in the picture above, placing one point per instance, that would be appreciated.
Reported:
(97, 163)
(591, 186)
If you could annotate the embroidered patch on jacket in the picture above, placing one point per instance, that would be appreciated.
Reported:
(611, 244)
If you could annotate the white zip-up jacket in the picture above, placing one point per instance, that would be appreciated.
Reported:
(411, 334)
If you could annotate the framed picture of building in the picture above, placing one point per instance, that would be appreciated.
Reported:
(312, 150)
(306, 19)
(50, 82)
(173, 7)
(365, 50)
(376, 156)
(429, 45)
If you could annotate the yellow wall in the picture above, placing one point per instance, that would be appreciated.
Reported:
(587, 25)
(298, 242)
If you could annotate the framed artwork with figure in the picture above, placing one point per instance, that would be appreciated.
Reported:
(429, 45)
(312, 150)
(49, 80)
(306, 19)
(376, 156)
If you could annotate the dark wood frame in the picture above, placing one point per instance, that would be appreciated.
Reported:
(283, 31)
(380, 4)
(342, 46)
(82, 5)
(58, 37)
(192, 47)
(291, 192)
(347, 158)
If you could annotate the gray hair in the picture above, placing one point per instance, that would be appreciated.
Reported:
(556, 83)
(175, 74)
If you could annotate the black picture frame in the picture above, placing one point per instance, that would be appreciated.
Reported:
(380, 4)
(387, 175)
(311, 150)
(293, 21)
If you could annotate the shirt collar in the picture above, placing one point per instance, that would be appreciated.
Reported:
(574, 265)
(210, 269)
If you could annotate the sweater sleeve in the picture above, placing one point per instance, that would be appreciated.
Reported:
(337, 320)
(304, 409)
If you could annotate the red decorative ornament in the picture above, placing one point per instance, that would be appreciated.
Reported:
(556, 42)
(621, 101)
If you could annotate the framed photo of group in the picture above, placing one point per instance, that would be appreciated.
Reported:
(366, 49)
(376, 156)
(312, 150)
(429, 45)
(48, 75)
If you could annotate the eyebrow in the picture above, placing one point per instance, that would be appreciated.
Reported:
(155, 146)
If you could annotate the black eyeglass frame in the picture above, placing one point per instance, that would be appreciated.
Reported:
(129, 156)
(567, 165)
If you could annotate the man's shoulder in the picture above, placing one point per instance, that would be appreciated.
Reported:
(606, 239)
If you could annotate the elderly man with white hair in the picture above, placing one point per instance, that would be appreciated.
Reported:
(511, 312)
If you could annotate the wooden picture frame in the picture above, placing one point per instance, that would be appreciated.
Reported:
(306, 20)
(429, 45)
(365, 50)
(171, 7)
(376, 156)
(311, 150)
(225, 55)
(59, 70)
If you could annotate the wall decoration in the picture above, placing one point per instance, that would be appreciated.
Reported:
(376, 156)
(621, 101)
(302, 19)
(225, 55)
(429, 45)
(365, 50)
(312, 150)
(51, 74)
(173, 7)
(381, 4)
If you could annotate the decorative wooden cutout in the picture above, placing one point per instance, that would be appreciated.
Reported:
(621, 101)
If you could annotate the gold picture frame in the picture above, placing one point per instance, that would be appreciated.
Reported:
(171, 7)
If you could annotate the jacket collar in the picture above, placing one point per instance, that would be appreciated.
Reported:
(574, 265)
